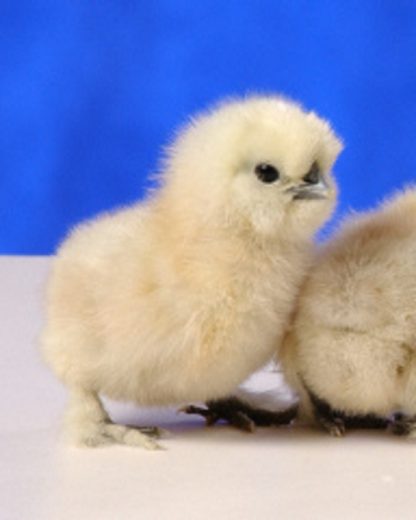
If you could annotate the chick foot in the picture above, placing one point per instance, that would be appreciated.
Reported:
(241, 415)
(102, 434)
(336, 422)
(334, 426)
(88, 424)
(403, 425)
(331, 421)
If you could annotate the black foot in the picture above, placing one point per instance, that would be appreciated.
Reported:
(241, 415)
(337, 422)
(403, 424)
(368, 422)
(334, 426)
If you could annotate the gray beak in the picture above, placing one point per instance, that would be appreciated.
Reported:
(309, 191)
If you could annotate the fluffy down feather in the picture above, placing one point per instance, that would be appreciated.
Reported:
(181, 296)
(351, 352)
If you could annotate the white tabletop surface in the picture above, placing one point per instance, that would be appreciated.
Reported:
(287, 473)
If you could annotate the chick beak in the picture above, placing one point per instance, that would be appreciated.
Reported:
(308, 191)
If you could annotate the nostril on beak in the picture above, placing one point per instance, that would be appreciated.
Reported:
(313, 175)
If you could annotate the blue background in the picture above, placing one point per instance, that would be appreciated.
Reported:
(90, 90)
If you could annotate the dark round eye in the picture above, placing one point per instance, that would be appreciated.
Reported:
(266, 173)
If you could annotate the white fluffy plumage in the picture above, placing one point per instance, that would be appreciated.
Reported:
(180, 297)
(353, 339)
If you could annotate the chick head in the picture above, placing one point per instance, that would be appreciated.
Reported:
(258, 163)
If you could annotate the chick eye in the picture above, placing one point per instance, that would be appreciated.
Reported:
(266, 173)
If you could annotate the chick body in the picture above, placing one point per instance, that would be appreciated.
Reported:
(352, 343)
(182, 296)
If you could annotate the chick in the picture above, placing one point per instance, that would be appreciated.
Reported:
(351, 352)
(180, 297)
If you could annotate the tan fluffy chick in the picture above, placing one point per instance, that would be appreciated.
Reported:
(181, 296)
(351, 352)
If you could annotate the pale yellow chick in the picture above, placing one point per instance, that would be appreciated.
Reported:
(351, 352)
(182, 296)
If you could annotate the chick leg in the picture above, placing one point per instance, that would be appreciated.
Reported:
(333, 423)
(241, 415)
(335, 426)
(337, 422)
(88, 424)
(403, 424)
